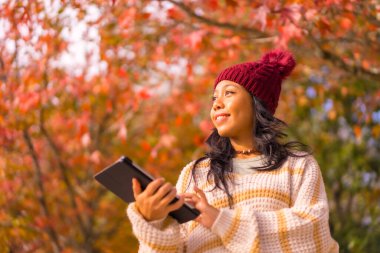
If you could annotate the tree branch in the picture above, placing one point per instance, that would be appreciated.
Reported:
(64, 172)
(349, 67)
(41, 191)
(3, 75)
(85, 227)
(236, 28)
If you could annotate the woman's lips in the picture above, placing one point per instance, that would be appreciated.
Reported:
(221, 118)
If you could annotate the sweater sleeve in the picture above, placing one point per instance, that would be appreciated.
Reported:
(301, 228)
(161, 235)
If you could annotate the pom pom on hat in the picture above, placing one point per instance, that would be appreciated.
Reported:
(282, 60)
(263, 78)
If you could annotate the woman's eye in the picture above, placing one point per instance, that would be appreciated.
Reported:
(213, 98)
(228, 92)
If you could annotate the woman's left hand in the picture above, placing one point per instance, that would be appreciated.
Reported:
(199, 201)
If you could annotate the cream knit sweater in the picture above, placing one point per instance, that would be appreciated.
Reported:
(284, 210)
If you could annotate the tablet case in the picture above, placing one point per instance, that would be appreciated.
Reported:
(118, 179)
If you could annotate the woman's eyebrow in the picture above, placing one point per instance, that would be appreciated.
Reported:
(230, 85)
(226, 86)
(216, 91)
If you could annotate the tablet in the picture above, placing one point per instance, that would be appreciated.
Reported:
(118, 179)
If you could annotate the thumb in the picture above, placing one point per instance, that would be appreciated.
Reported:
(136, 187)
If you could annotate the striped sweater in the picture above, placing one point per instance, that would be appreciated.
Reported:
(283, 210)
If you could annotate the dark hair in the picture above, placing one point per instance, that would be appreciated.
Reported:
(268, 132)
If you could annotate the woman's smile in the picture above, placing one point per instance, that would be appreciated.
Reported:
(221, 117)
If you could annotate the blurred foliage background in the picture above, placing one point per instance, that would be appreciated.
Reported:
(84, 82)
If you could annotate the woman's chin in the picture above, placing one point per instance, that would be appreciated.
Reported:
(223, 133)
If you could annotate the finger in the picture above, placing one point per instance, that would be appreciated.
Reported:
(177, 204)
(190, 202)
(195, 198)
(188, 199)
(164, 190)
(136, 187)
(169, 197)
(153, 186)
(187, 195)
(200, 193)
(191, 197)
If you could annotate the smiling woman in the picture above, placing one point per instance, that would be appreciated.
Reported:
(255, 192)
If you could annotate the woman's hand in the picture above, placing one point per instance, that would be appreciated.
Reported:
(154, 202)
(199, 201)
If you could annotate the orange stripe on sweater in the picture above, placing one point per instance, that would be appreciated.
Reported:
(251, 194)
(298, 171)
(233, 228)
(255, 246)
(282, 231)
(186, 178)
(316, 227)
(208, 245)
(246, 195)
(159, 247)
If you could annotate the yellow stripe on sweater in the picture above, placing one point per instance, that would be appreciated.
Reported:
(316, 192)
(233, 228)
(192, 226)
(186, 178)
(208, 245)
(297, 171)
(159, 247)
(255, 246)
(251, 194)
(246, 195)
(306, 216)
(282, 231)
(316, 227)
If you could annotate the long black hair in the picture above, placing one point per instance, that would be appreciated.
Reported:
(268, 134)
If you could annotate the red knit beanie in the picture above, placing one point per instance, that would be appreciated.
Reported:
(262, 78)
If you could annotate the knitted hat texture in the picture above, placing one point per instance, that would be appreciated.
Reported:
(262, 78)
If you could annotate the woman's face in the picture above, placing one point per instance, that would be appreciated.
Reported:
(232, 112)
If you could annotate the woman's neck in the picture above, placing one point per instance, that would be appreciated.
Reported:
(246, 146)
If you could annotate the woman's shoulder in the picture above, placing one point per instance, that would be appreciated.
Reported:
(195, 168)
(301, 159)
(303, 162)
(197, 164)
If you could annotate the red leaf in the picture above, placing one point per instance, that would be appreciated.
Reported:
(144, 94)
(173, 13)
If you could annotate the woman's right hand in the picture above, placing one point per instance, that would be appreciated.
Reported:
(154, 202)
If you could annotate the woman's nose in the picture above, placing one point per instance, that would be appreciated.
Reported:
(218, 104)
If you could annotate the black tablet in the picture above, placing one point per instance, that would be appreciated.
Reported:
(118, 179)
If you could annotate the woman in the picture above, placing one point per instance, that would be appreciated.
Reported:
(255, 193)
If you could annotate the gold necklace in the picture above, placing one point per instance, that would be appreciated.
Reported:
(246, 152)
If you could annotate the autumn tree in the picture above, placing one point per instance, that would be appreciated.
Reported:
(84, 82)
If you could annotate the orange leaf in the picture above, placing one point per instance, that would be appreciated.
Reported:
(357, 131)
(366, 64)
(178, 121)
(346, 23)
(145, 146)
